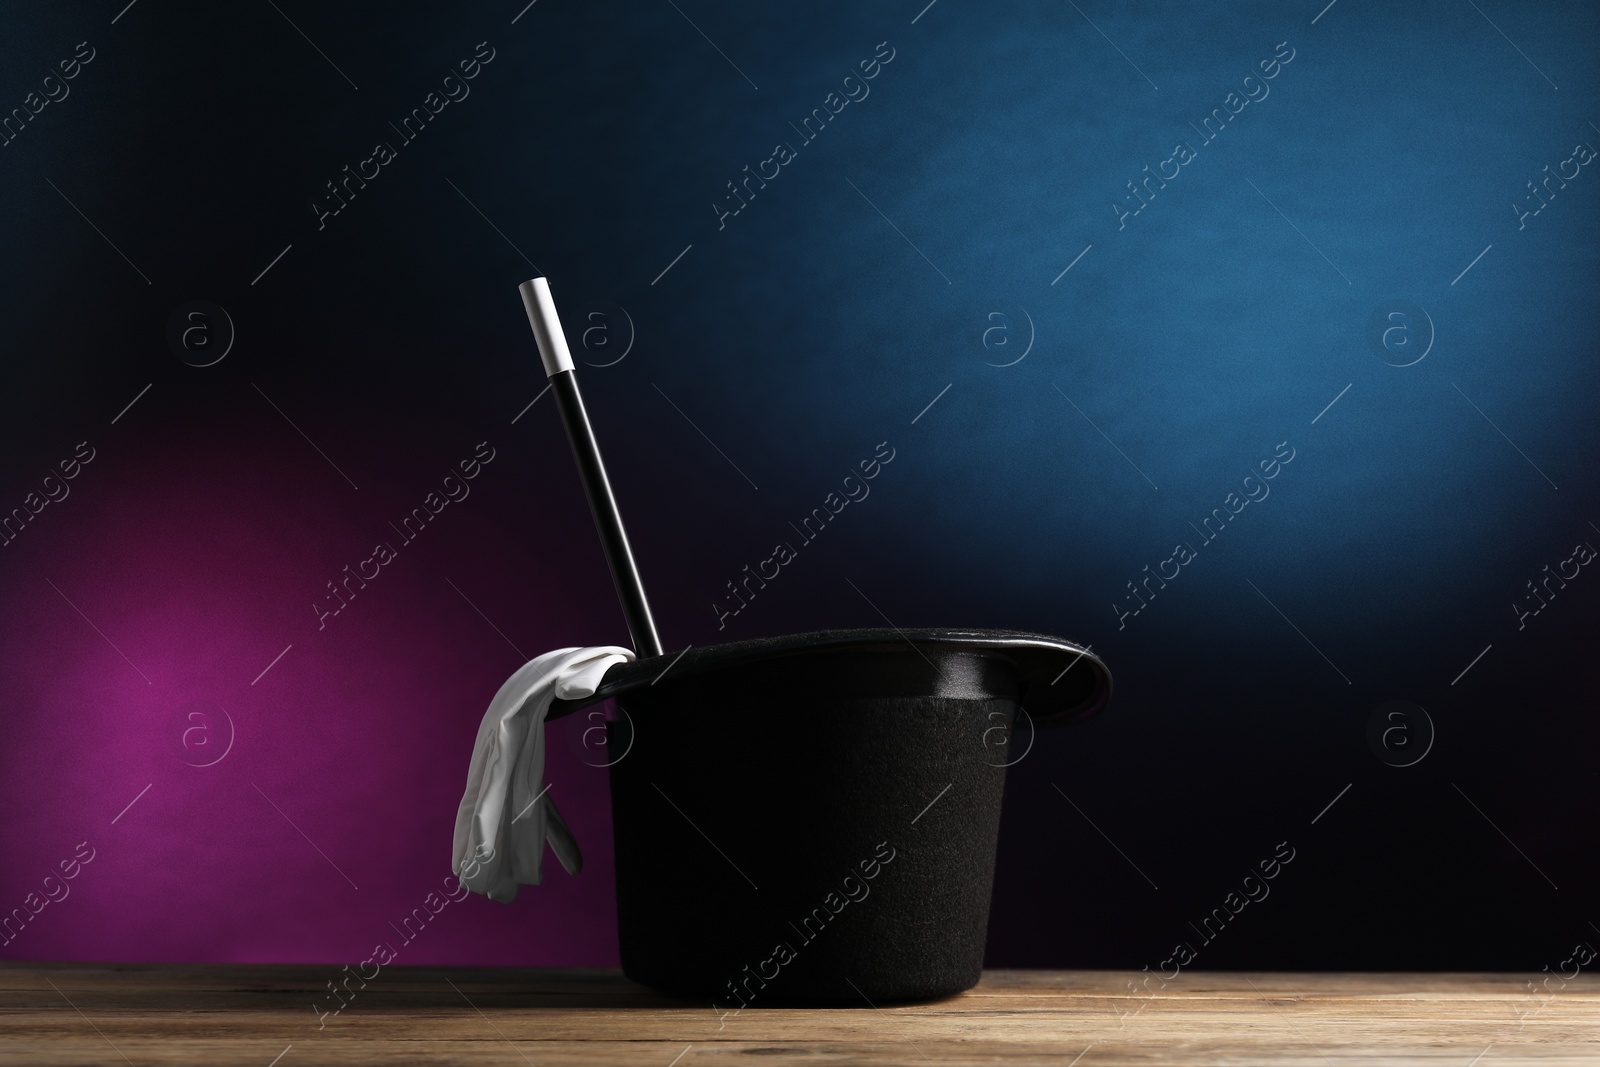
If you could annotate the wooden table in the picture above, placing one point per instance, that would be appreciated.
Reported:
(263, 1015)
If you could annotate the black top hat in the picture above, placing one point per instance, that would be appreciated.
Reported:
(790, 763)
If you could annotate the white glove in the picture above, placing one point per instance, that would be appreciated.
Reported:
(505, 817)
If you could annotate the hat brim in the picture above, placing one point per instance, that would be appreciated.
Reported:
(1058, 682)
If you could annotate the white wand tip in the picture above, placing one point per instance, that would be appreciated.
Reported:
(546, 325)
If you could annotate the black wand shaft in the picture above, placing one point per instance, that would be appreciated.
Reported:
(607, 519)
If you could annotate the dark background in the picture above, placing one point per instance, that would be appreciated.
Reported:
(903, 258)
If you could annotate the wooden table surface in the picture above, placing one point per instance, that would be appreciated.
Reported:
(263, 1016)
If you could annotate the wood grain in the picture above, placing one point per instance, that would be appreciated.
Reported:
(55, 1014)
